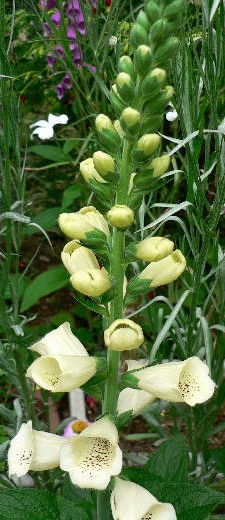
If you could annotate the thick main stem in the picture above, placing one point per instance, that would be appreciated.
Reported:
(117, 271)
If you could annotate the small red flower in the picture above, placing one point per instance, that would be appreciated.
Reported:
(108, 3)
(150, 295)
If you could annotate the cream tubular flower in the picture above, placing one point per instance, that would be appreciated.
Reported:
(64, 363)
(153, 249)
(164, 271)
(123, 334)
(179, 381)
(33, 450)
(78, 225)
(93, 456)
(134, 400)
(82, 264)
(133, 502)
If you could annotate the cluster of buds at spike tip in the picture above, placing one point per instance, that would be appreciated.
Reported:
(120, 216)
(84, 224)
(123, 334)
(86, 275)
(178, 381)
(64, 363)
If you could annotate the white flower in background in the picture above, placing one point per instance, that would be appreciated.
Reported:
(64, 363)
(33, 450)
(75, 427)
(92, 457)
(133, 400)
(44, 128)
(130, 501)
(179, 381)
(172, 114)
(113, 40)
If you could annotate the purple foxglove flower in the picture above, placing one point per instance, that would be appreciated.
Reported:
(67, 81)
(48, 5)
(51, 60)
(77, 56)
(90, 67)
(73, 8)
(61, 90)
(46, 30)
(59, 51)
(56, 18)
(80, 23)
(94, 3)
(71, 35)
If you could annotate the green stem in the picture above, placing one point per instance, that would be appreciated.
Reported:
(117, 272)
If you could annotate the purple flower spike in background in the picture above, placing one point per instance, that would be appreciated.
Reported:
(56, 18)
(71, 35)
(80, 24)
(48, 5)
(62, 87)
(51, 60)
(47, 30)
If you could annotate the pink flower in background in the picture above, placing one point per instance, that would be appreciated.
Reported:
(75, 427)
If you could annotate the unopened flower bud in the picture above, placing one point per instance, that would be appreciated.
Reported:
(88, 171)
(159, 31)
(125, 86)
(91, 282)
(173, 9)
(120, 216)
(152, 83)
(126, 65)
(148, 144)
(103, 162)
(118, 128)
(123, 334)
(138, 35)
(167, 50)
(143, 58)
(152, 11)
(78, 225)
(153, 249)
(103, 122)
(130, 118)
(164, 271)
(142, 20)
(160, 165)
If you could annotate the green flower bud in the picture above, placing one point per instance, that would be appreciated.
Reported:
(164, 271)
(167, 50)
(150, 123)
(126, 65)
(161, 100)
(88, 171)
(159, 31)
(152, 11)
(125, 86)
(174, 9)
(142, 19)
(116, 101)
(160, 165)
(152, 83)
(118, 128)
(120, 216)
(138, 35)
(130, 119)
(123, 334)
(143, 58)
(107, 132)
(103, 162)
(148, 144)
(153, 249)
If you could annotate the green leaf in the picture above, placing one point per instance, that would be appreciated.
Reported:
(22, 504)
(170, 461)
(53, 153)
(44, 284)
(70, 194)
(47, 219)
(92, 306)
(219, 457)
(191, 502)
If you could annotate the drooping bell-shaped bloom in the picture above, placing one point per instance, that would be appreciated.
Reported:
(64, 363)
(80, 224)
(33, 450)
(87, 277)
(164, 271)
(92, 457)
(123, 334)
(133, 502)
(178, 381)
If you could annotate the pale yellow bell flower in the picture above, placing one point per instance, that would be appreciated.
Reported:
(123, 334)
(134, 400)
(103, 162)
(78, 225)
(164, 271)
(78, 258)
(153, 249)
(88, 171)
(92, 457)
(120, 216)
